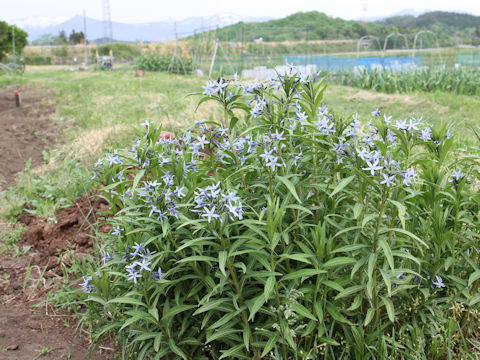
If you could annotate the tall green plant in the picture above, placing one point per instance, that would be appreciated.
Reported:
(288, 232)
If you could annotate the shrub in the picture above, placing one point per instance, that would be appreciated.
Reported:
(165, 63)
(286, 231)
(119, 50)
(38, 60)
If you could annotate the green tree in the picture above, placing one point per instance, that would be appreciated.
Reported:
(63, 36)
(12, 39)
(76, 37)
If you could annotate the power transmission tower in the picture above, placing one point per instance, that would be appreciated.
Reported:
(175, 52)
(107, 21)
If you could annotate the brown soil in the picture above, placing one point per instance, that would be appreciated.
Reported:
(55, 244)
(27, 280)
(24, 130)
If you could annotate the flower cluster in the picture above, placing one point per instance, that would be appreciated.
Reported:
(211, 203)
(138, 260)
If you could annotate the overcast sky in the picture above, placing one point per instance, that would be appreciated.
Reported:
(138, 11)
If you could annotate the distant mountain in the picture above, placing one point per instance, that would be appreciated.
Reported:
(154, 31)
(440, 18)
(450, 28)
(406, 12)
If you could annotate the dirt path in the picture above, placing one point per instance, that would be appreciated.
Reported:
(28, 332)
(25, 131)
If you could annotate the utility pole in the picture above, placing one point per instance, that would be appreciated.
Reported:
(85, 37)
(13, 39)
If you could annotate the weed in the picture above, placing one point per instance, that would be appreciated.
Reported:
(43, 351)
(10, 238)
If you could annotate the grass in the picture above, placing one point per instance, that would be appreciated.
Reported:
(100, 109)
(436, 106)
(10, 237)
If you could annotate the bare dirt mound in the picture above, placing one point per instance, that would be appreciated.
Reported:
(72, 235)
(24, 130)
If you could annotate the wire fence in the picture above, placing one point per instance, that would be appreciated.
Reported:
(217, 51)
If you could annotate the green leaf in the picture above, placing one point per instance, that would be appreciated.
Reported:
(222, 259)
(210, 305)
(138, 177)
(405, 255)
(221, 333)
(224, 319)
(333, 285)
(474, 300)
(269, 285)
(257, 304)
(127, 300)
(197, 258)
(350, 248)
(176, 349)
(154, 312)
(387, 252)
(344, 182)
(357, 209)
(233, 352)
(302, 310)
(306, 258)
(473, 277)
(318, 310)
(368, 218)
(389, 306)
(370, 285)
(372, 260)
(335, 313)
(287, 335)
(289, 186)
(405, 232)
(304, 273)
(401, 211)
(177, 309)
(328, 341)
(369, 316)
(386, 280)
(356, 303)
(246, 336)
(272, 340)
(145, 336)
(338, 261)
(349, 291)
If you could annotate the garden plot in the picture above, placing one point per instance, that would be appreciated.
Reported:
(24, 131)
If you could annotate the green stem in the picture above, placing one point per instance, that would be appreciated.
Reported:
(375, 245)
(233, 274)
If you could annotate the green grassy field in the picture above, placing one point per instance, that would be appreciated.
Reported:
(101, 108)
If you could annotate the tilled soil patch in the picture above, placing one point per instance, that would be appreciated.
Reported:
(54, 244)
(24, 130)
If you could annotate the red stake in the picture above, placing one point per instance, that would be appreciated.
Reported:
(17, 98)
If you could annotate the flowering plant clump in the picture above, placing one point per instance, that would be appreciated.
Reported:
(286, 231)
